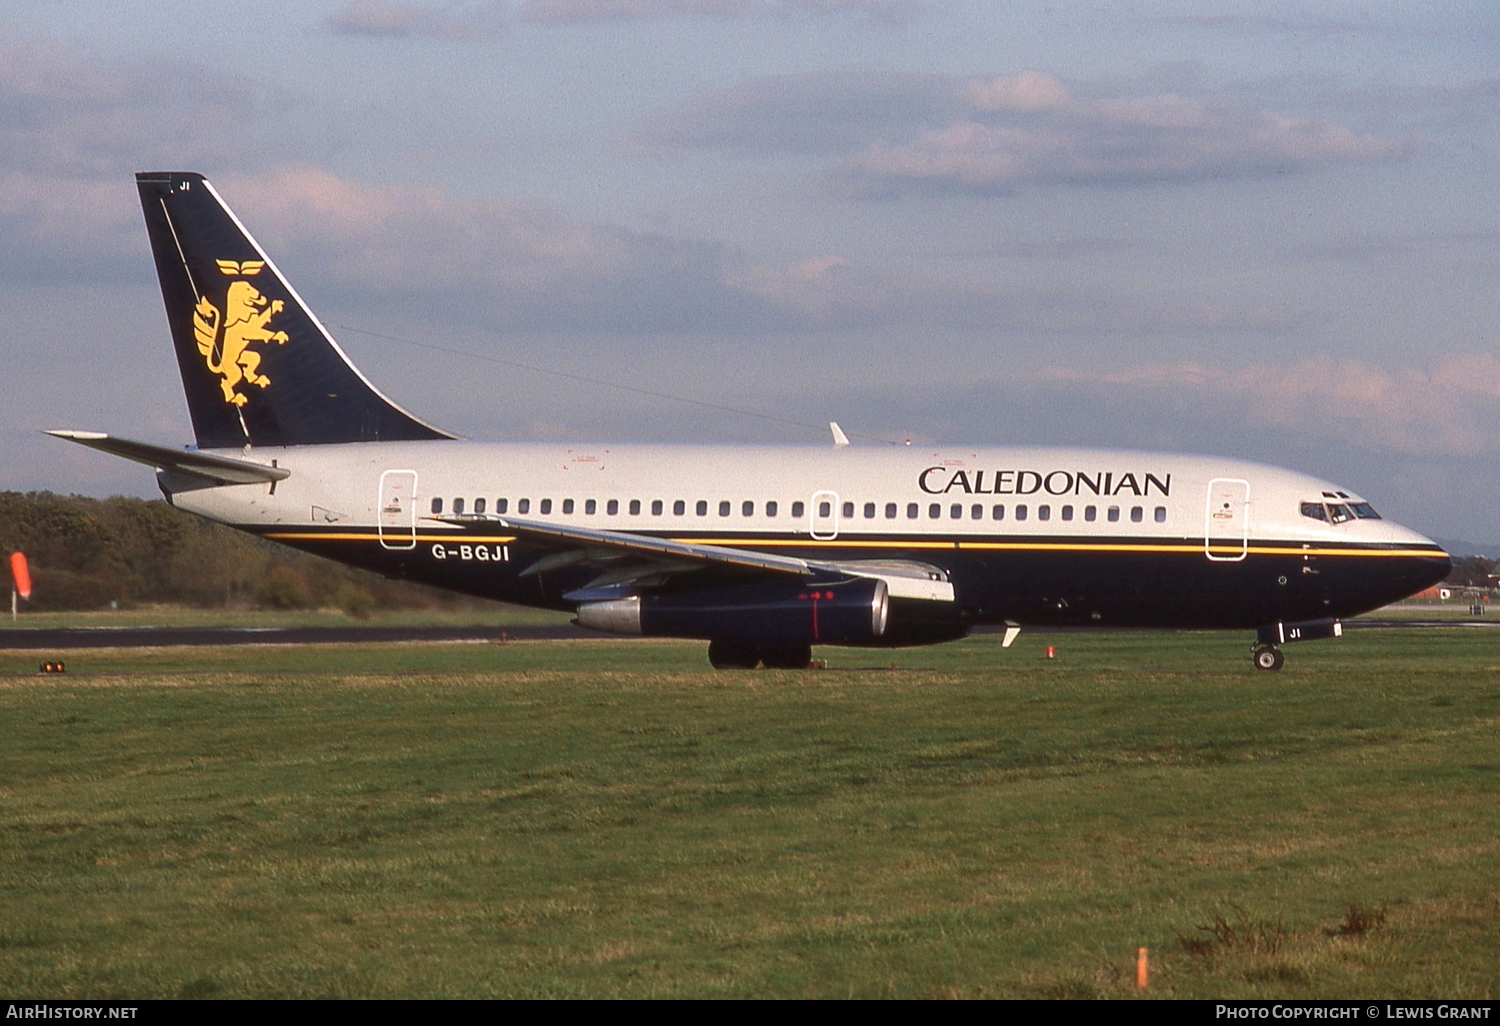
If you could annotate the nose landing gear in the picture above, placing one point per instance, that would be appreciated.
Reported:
(1265, 653)
(1267, 657)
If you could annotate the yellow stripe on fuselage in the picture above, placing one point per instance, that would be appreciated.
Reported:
(501, 539)
(1254, 550)
(1284, 549)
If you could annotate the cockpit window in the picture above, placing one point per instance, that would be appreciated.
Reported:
(1339, 512)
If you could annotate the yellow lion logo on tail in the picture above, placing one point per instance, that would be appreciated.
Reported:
(224, 337)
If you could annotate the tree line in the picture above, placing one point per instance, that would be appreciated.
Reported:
(86, 553)
(1472, 572)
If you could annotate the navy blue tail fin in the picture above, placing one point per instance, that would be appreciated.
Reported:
(257, 366)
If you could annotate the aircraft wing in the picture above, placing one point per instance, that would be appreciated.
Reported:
(221, 469)
(628, 561)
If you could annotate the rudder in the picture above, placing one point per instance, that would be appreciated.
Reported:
(257, 367)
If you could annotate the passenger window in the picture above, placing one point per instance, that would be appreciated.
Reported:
(976, 512)
(679, 508)
(848, 510)
(523, 506)
(956, 511)
(798, 508)
(546, 507)
(612, 507)
(701, 508)
(748, 509)
(997, 513)
(635, 507)
(590, 507)
(656, 507)
(1020, 512)
(501, 505)
(478, 506)
(437, 505)
(869, 511)
(935, 511)
(1113, 515)
(1161, 514)
(825, 509)
(1090, 513)
(771, 508)
(567, 505)
(1136, 514)
(1067, 512)
(1044, 512)
(723, 507)
(890, 511)
(911, 511)
(458, 507)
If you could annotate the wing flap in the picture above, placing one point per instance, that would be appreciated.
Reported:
(651, 557)
(595, 544)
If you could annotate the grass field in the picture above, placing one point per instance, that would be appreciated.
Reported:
(613, 819)
(495, 614)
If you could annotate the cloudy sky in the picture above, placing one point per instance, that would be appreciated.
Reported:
(1266, 230)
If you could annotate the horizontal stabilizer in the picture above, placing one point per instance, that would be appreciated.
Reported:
(223, 469)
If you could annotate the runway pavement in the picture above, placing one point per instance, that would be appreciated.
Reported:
(148, 637)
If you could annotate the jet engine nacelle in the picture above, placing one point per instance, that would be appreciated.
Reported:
(853, 611)
(842, 612)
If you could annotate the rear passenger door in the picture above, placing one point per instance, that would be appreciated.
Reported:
(396, 509)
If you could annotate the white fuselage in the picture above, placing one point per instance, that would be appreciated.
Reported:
(975, 493)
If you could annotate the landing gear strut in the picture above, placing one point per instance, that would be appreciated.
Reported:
(1268, 657)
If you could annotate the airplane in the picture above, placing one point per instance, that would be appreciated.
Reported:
(762, 551)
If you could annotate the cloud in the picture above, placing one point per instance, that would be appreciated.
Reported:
(1026, 93)
(394, 19)
(503, 265)
(1452, 407)
(1240, 24)
(557, 11)
(73, 129)
(903, 134)
(64, 110)
(821, 113)
(1158, 140)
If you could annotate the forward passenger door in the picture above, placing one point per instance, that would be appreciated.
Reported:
(1226, 519)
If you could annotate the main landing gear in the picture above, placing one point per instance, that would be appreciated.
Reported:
(1265, 653)
(744, 655)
